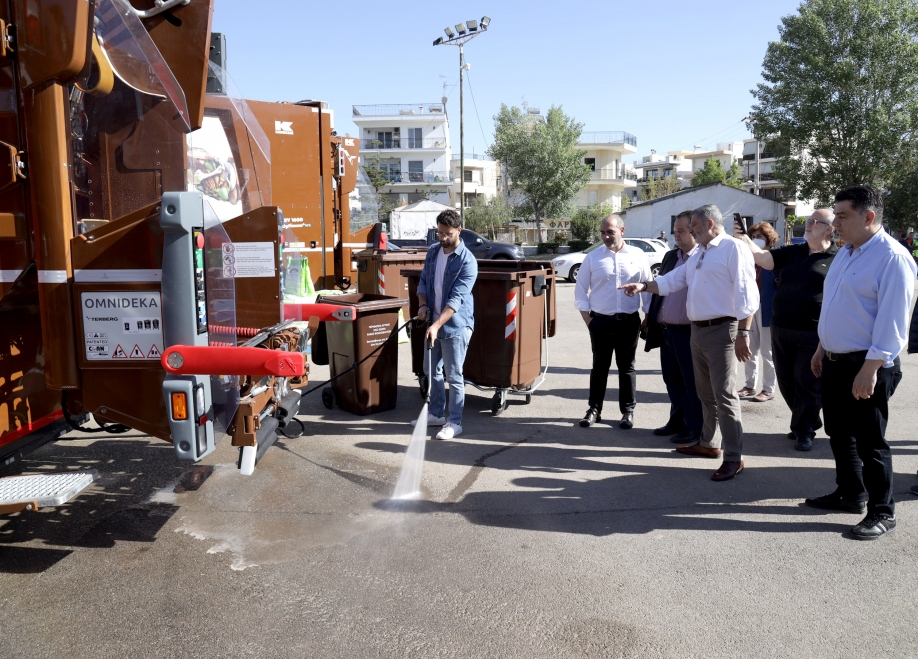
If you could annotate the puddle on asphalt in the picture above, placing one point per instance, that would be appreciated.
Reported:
(284, 509)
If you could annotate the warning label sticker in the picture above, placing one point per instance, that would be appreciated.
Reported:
(249, 259)
(122, 325)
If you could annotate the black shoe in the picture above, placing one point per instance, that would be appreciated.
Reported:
(805, 443)
(874, 526)
(914, 489)
(592, 416)
(835, 502)
(669, 429)
(791, 435)
(627, 421)
(687, 437)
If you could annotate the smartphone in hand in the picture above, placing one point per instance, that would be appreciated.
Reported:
(740, 223)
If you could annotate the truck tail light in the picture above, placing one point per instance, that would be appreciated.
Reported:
(179, 406)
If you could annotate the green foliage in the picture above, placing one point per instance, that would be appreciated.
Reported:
(378, 179)
(714, 172)
(900, 201)
(662, 186)
(585, 223)
(483, 216)
(840, 94)
(579, 245)
(542, 158)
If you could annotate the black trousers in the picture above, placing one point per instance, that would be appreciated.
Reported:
(679, 377)
(857, 433)
(618, 335)
(792, 351)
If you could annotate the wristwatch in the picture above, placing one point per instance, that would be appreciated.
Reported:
(644, 284)
(740, 332)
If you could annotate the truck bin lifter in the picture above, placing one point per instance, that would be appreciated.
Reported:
(129, 226)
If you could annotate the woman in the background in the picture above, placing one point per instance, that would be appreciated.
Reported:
(765, 237)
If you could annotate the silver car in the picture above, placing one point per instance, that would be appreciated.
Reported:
(568, 265)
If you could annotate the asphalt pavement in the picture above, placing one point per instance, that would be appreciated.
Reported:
(534, 538)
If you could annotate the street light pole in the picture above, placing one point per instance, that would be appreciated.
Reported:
(466, 32)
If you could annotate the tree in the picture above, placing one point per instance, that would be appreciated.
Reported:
(714, 172)
(840, 97)
(542, 158)
(377, 177)
(484, 215)
(660, 187)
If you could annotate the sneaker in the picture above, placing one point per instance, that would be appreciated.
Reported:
(835, 502)
(449, 430)
(874, 526)
(432, 420)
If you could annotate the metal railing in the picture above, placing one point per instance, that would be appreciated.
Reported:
(602, 175)
(419, 177)
(405, 143)
(398, 109)
(608, 137)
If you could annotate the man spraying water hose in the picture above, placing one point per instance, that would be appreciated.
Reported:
(445, 297)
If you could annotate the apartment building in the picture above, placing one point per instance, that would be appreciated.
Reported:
(758, 170)
(411, 143)
(481, 178)
(612, 179)
(654, 167)
(726, 153)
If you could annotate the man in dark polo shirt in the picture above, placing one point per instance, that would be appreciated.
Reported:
(801, 273)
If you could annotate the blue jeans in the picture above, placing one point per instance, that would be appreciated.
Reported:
(447, 357)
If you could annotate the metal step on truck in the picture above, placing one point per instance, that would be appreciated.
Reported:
(146, 247)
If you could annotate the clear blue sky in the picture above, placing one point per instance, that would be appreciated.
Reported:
(672, 73)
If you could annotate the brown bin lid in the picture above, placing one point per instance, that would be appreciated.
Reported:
(412, 255)
(365, 301)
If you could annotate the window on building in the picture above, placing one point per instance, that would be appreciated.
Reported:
(470, 198)
(654, 174)
(414, 138)
(416, 171)
(467, 175)
(391, 170)
(385, 140)
(591, 163)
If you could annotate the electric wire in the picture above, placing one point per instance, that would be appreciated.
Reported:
(487, 144)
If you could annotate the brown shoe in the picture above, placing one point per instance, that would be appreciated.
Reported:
(728, 470)
(763, 397)
(698, 449)
(746, 392)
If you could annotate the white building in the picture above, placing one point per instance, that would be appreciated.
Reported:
(481, 178)
(412, 144)
(726, 153)
(611, 178)
(649, 218)
(654, 167)
(758, 168)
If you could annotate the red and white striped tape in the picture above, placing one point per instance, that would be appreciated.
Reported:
(382, 280)
(510, 328)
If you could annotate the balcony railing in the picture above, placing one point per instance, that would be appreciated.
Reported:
(398, 110)
(419, 177)
(608, 137)
(405, 143)
(612, 176)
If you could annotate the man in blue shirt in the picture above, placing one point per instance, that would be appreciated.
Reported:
(445, 296)
(863, 326)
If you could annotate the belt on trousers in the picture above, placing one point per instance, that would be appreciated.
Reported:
(858, 356)
(713, 321)
(674, 326)
(613, 316)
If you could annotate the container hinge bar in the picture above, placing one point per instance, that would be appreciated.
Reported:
(159, 6)
(7, 39)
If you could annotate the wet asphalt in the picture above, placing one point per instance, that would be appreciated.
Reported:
(534, 538)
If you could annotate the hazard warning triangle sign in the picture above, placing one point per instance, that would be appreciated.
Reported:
(154, 352)
(136, 353)
(119, 353)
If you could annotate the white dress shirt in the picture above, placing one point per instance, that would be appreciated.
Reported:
(601, 274)
(866, 299)
(720, 277)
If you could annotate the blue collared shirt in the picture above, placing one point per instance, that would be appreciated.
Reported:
(458, 280)
(866, 299)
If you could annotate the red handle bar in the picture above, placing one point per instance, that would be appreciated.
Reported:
(214, 360)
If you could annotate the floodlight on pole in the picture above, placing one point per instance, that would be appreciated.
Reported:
(466, 31)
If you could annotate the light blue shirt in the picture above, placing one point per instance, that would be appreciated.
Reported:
(867, 297)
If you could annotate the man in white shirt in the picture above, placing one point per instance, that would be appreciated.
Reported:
(611, 316)
(863, 326)
(722, 298)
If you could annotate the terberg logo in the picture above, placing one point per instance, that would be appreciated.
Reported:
(283, 127)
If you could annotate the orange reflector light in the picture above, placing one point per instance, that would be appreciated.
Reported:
(179, 406)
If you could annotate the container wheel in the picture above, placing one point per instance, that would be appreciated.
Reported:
(328, 397)
(499, 402)
(528, 398)
(423, 385)
(293, 429)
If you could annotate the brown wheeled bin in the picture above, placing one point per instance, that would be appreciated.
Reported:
(373, 386)
(514, 312)
(379, 271)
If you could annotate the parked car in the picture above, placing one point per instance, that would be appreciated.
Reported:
(568, 265)
(480, 246)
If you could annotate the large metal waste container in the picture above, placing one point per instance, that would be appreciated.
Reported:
(379, 271)
(514, 312)
(373, 386)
